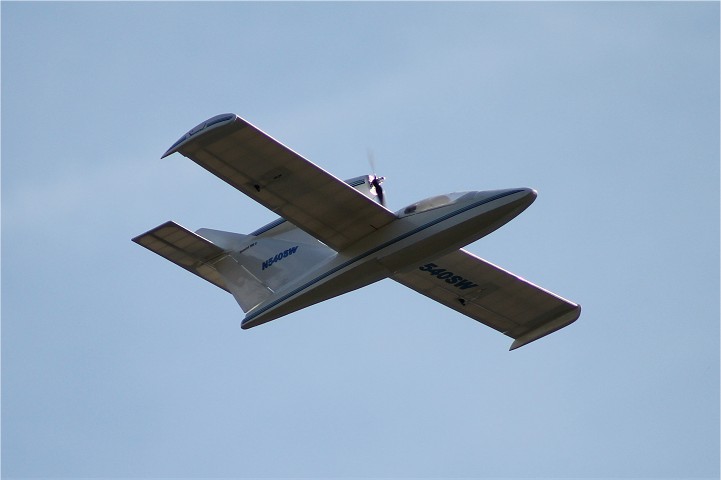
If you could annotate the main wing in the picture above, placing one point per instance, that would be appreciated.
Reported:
(280, 179)
(492, 296)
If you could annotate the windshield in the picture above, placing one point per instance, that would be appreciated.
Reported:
(431, 203)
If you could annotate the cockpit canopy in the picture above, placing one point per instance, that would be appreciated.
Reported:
(432, 203)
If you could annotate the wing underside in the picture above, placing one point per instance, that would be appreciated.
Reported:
(283, 181)
(492, 296)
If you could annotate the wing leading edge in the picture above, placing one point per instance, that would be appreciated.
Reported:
(492, 296)
(283, 181)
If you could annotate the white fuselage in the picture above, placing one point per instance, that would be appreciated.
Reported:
(422, 231)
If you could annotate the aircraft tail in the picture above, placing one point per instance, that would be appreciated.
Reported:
(252, 269)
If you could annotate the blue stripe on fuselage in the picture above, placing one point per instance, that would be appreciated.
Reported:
(373, 250)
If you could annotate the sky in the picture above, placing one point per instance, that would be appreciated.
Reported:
(117, 363)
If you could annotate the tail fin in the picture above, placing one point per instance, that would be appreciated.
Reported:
(273, 261)
(252, 269)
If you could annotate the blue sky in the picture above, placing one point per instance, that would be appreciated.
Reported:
(118, 363)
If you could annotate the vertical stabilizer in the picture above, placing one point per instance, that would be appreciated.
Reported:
(254, 268)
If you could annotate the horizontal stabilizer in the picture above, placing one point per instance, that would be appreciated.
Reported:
(186, 249)
(214, 262)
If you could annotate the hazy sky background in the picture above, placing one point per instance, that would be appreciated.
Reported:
(116, 362)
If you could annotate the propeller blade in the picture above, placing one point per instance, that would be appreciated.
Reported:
(376, 184)
(376, 180)
(371, 161)
(381, 196)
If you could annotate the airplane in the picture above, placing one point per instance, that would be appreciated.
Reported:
(334, 237)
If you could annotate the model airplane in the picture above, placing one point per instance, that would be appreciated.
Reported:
(334, 237)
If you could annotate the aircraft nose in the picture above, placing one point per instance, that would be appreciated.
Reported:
(517, 196)
(528, 195)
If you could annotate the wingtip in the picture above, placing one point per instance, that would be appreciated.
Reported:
(546, 329)
(214, 122)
